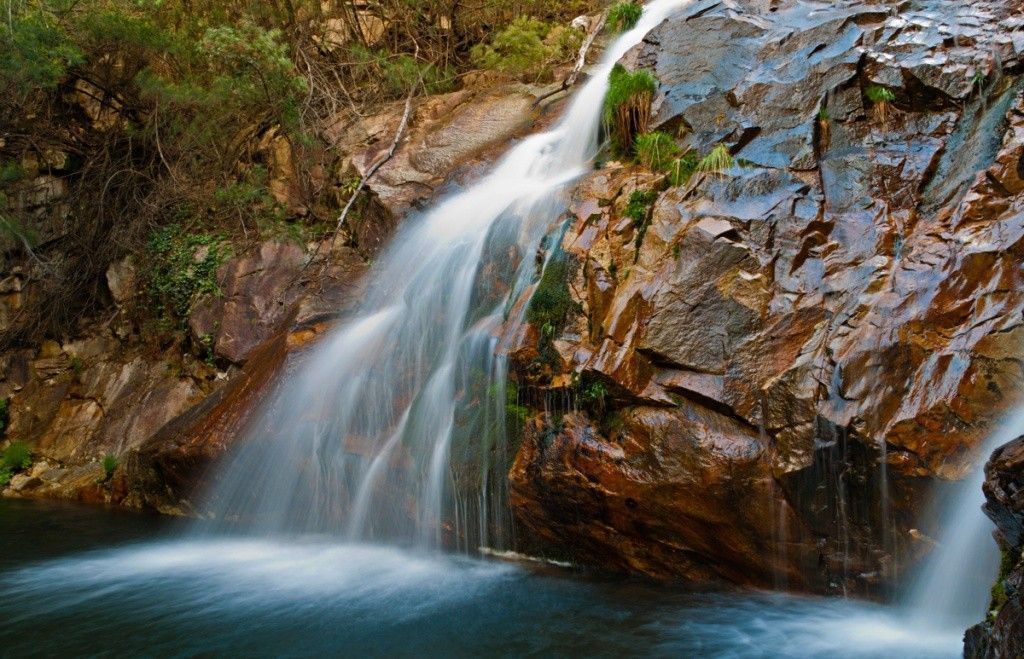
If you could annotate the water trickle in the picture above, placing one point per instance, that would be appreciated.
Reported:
(381, 432)
(951, 590)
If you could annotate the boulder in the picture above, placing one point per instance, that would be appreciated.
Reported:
(1002, 633)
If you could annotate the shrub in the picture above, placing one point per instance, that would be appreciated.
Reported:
(624, 15)
(16, 456)
(627, 105)
(396, 74)
(37, 50)
(656, 151)
(717, 161)
(527, 48)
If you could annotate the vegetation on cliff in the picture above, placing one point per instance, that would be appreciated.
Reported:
(119, 118)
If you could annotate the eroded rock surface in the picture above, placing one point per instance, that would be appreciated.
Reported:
(848, 297)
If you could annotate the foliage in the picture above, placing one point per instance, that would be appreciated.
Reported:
(639, 206)
(16, 456)
(683, 167)
(395, 75)
(879, 94)
(627, 104)
(527, 48)
(164, 109)
(717, 161)
(183, 266)
(37, 49)
(110, 464)
(656, 151)
(881, 98)
(624, 15)
(638, 209)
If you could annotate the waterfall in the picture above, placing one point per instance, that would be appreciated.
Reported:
(951, 590)
(394, 426)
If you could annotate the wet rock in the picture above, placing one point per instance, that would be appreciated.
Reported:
(852, 289)
(1002, 633)
(673, 493)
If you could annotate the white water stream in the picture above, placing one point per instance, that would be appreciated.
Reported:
(360, 439)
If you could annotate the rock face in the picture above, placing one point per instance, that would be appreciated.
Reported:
(846, 302)
(167, 414)
(1002, 634)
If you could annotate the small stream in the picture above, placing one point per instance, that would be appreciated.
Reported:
(81, 581)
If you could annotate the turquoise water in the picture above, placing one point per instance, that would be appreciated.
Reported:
(82, 581)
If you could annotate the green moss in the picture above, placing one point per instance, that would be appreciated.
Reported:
(624, 16)
(999, 596)
(551, 305)
(638, 209)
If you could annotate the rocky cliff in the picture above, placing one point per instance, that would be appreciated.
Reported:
(768, 368)
(1002, 633)
(755, 382)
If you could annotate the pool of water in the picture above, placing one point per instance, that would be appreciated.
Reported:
(81, 581)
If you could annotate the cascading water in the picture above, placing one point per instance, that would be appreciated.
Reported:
(951, 589)
(389, 428)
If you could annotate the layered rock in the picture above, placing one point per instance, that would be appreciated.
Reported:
(847, 300)
(1002, 634)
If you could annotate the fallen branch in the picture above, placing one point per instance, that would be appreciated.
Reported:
(581, 61)
(377, 165)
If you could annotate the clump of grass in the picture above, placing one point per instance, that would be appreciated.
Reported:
(656, 151)
(881, 99)
(682, 168)
(627, 105)
(110, 464)
(718, 161)
(624, 15)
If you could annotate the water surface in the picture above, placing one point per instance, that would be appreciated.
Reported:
(81, 581)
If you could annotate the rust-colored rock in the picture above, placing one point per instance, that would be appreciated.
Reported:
(852, 291)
